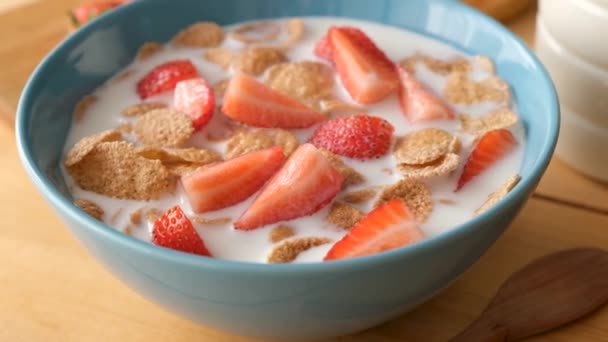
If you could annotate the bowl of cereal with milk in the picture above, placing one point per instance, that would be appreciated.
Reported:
(298, 169)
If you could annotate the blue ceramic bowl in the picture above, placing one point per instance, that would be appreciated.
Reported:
(278, 301)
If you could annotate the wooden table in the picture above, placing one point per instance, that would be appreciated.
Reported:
(52, 290)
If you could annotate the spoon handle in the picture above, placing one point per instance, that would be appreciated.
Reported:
(482, 331)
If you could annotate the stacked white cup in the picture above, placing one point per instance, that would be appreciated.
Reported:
(572, 42)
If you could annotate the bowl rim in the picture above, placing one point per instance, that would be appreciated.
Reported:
(84, 221)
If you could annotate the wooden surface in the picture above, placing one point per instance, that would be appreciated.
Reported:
(52, 290)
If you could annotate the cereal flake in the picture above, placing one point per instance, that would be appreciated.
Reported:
(83, 147)
(443, 166)
(460, 89)
(289, 250)
(414, 192)
(153, 214)
(219, 87)
(442, 67)
(246, 142)
(351, 176)
(188, 155)
(148, 49)
(295, 32)
(257, 32)
(335, 106)
(280, 233)
(90, 207)
(142, 108)
(360, 196)
(499, 194)
(305, 81)
(82, 106)
(255, 60)
(423, 146)
(114, 169)
(201, 35)
(136, 216)
(164, 128)
(344, 215)
(220, 56)
(502, 118)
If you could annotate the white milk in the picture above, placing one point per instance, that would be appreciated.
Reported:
(226, 242)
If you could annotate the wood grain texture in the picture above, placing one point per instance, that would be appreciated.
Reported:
(52, 290)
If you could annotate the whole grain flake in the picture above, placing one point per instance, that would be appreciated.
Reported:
(258, 32)
(343, 215)
(163, 128)
(114, 169)
(351, 176)
(280, 233)
(414, 192)
(441, 167)
(499, 194)
(90, 207)
(424, 146)
(307, 81)
(498, 119)
(222, 57)
(359, 196)
(289, 250)
(148, 49)
(142, 108)
(255, 60)
(200, 35)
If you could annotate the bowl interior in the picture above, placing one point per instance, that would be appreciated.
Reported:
(88, 58)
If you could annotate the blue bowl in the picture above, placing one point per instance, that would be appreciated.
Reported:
(278, 301)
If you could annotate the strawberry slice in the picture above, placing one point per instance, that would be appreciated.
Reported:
(306, 183)
(358, 136)
(323, 49)
(366, 72)
(175, 231)
(492, 146)
(253, 103)
(390, 225)
(222, 185)
(195, 98)
(88, 11)
(165, 77)
(418, 102)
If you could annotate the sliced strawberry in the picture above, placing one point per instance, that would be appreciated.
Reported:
(165, 77)
(366, 72)
(323, 49)
(492, 146)
(174, 230)
(390, 225)
(358, 136)
(195, 98)
(88, 11)
(253, 103)
(420, 103)
(222, 185)
(306, 183)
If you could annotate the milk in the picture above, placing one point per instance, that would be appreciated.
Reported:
(223, 240)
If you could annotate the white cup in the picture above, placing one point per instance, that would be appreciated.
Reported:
(581, 86)
(580, 25)
(583, 145)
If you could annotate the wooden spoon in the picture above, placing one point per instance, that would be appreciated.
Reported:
(547, 293)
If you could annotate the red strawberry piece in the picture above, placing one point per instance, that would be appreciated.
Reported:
(91, 10)
(306, 183)
(420, 103)
(253, 103)
(224, 184)
(492, 146)
(323, 49)
(165, 77)
(358, 136)
(390, 225)
(195, 98)
(366, 72)
(175, 231)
